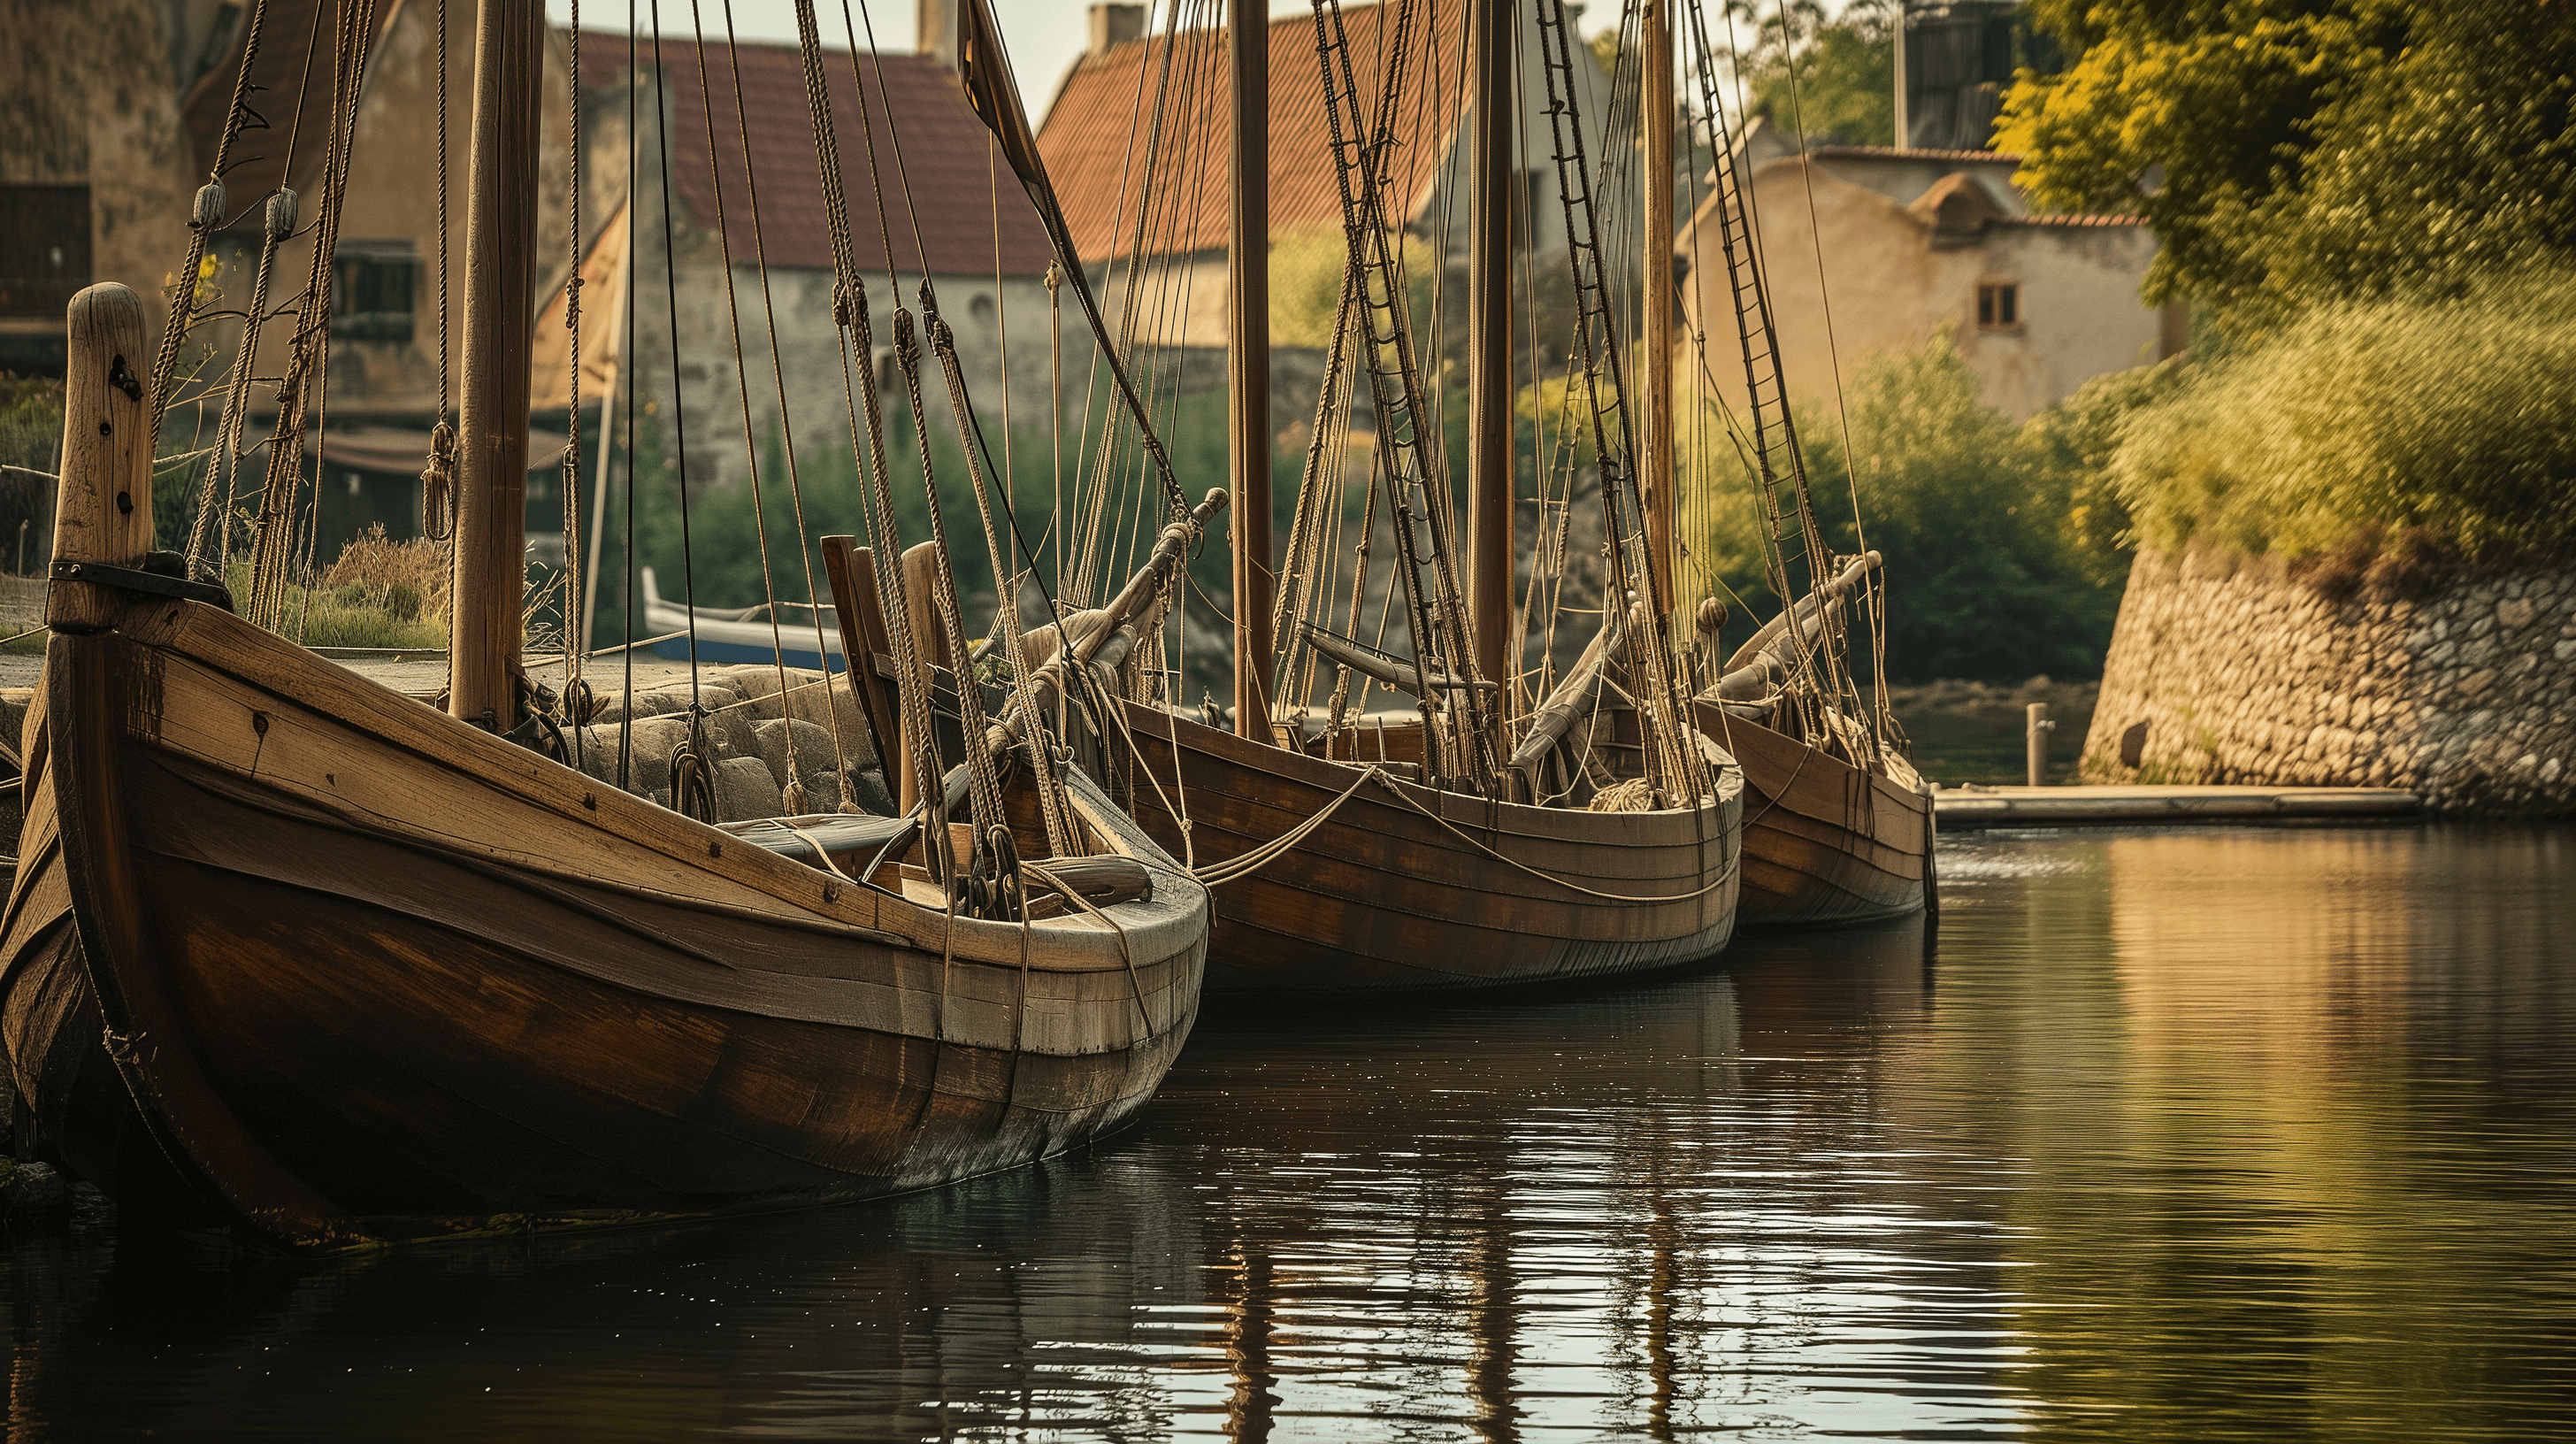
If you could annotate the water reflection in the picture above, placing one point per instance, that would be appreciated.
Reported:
(2256, 1133)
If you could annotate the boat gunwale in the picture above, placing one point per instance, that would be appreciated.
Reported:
(233, 649)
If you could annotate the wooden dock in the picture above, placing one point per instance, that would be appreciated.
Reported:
(1975, 806)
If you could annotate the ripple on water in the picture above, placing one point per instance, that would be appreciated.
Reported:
(2250, 1135)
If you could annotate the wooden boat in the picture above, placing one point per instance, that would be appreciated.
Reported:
(297, 955)
(294, 957)
(1405, 886)
(1340, 873)
(1825, 840)
(1837, 824)
(726, 635)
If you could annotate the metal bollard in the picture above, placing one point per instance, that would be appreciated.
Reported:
(2035, 741)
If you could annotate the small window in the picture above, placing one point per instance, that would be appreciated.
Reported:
(44, 249)
(371, 291)
(1998, 305)
(985, 312)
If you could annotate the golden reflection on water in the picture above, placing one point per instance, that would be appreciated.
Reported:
(2211, 1134)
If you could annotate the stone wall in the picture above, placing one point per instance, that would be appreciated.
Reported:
(2242, 673)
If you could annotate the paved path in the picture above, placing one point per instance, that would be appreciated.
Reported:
(1976, 806)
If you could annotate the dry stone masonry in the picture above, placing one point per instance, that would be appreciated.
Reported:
(2228, 669)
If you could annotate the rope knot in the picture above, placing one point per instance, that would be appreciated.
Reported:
(572, 302)
(907, 348)
(438, 483)
(840, 303)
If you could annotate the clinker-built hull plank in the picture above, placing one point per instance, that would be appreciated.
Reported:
(1824, 841)
(321, 965)
(1382, 897)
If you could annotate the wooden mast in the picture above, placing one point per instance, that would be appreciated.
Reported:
(492, 461)
(1655, 428)
(1489, 347)
(1248, 368)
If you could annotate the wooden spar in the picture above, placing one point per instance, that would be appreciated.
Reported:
(1134, 603)
(104, 509)
(1803, 615)
(616, 337)
(1655, 418)
(1489, 349)
(1402, 674)
(500, 243)
(1248, 368)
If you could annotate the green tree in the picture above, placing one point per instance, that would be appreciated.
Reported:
(1820, 77)
(2295, 151)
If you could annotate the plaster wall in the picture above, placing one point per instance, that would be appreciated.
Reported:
(1891, 288)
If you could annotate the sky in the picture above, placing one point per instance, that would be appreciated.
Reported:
(1043, 36)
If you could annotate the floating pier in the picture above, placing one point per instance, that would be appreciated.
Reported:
(1975, 806)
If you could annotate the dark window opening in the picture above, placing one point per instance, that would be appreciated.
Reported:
(371, 292)
(44, 248)
(1998, 305)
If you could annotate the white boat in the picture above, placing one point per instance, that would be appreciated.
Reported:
(740, 634)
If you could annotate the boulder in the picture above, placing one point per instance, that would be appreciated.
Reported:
(812, 745)
(744, 790)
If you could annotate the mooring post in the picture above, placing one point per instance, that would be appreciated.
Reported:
(2036, 742)
(103, 505)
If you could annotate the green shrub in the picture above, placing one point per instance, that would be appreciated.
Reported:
(2455, 418)
(1987, 578)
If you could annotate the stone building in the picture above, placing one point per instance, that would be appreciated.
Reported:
(1900, 243)
(95, 169)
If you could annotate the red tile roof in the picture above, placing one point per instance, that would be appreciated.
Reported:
(1099, 130)
(944, 157)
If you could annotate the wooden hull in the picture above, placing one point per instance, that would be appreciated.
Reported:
(1824, 841)
(1383, 897)
(293, 956)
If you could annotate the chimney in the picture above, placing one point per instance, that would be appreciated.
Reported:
(1113, 25)
(934, 30)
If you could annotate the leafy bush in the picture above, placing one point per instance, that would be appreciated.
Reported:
(1986, 577)
(2456, 418)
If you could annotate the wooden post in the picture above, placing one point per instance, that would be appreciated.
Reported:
(851, 570)
(492, 454)
(1248, 367)
(103, 505)
(1655, 418)
(920, 565)
(1489, 350)
(2035, 739)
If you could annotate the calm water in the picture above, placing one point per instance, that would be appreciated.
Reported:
(2258, 1134)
